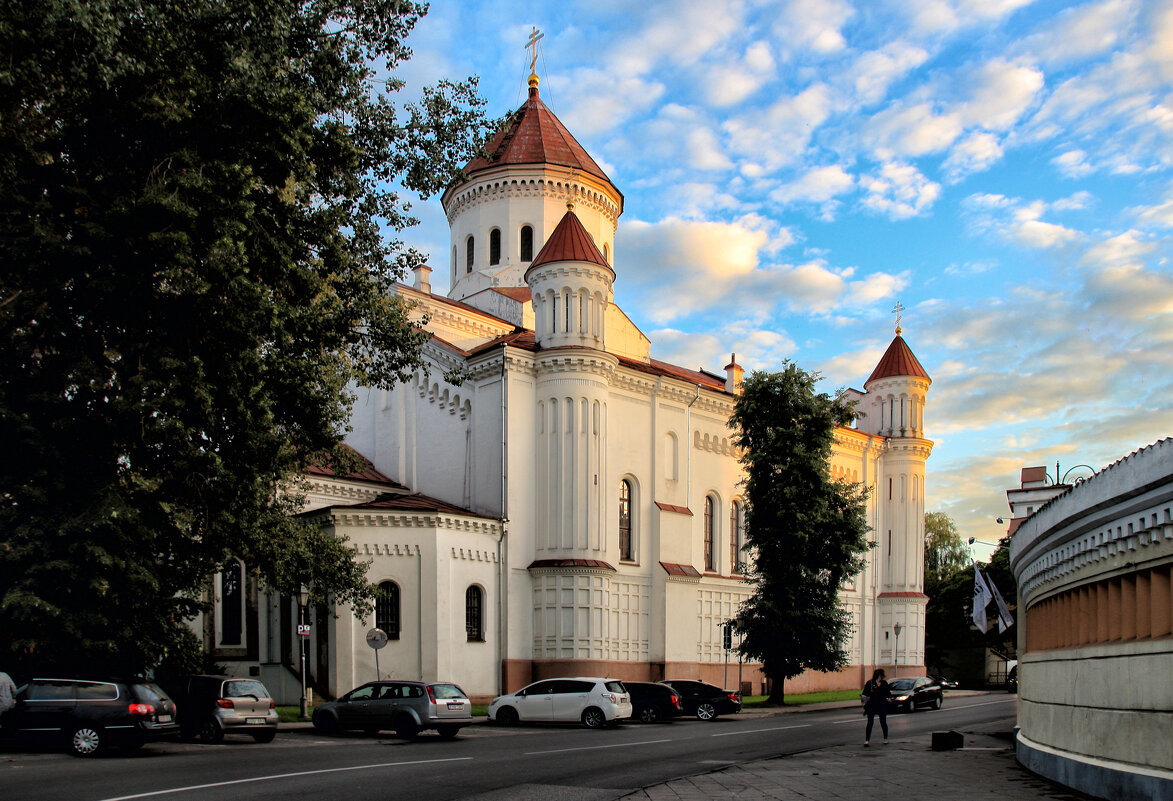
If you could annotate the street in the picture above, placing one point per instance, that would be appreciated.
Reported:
(487, 762)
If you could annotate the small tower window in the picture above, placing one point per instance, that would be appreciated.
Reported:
(495, 246)
(527, 243)
(469, 252)
(606, 253)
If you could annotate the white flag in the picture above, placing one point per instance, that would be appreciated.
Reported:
(981, 599)
(1005, 619)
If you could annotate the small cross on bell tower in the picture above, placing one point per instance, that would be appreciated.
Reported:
(897, 310)
(532, 45)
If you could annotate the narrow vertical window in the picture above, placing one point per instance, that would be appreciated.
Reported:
(231, 597)
(735, 538)
(454, 264)
(387, 609)
(527, 243)
(606, 253)
(710, 540)
(469, 253)
(473, 614)
(625, 550)
(495, 246)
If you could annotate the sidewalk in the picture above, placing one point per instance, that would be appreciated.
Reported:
(904, 770)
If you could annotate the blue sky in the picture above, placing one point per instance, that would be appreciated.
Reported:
(791, 170)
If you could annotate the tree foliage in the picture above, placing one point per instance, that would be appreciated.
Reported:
(949, 614)
(193, 268)
(808, 533)
(945, 551)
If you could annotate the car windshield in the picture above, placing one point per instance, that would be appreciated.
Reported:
(447, 691)
(243, 688)
(148, 693)
(901, 684)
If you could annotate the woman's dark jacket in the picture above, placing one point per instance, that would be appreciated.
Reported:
(879, 692)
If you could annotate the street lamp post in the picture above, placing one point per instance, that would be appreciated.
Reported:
(896, 651)
(303, 597)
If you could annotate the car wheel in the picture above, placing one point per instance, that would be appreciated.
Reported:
(406, 727)
(210, 732)
(86, 741)
(911, 706)
(325, 723)
(593, 718)
(648, 715)
(506, 716)
(937, 702)
(448, 731)
(706, 711)
(265, 736)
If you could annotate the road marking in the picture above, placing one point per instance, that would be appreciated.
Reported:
(950, 708)
(850, 720)
(755, 731)
(282, 776)
(564, 750)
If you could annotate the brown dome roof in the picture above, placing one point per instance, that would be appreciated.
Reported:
(898, 360)
(569, 242)
(533, 135)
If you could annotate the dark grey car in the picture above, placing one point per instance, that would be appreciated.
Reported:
(89, 714)
(407, 707)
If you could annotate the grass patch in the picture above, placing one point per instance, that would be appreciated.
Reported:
(752, 701)
(292, 714)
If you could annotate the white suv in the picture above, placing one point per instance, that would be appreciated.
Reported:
(594, 701)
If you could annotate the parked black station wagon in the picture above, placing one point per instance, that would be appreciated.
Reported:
(87, 715)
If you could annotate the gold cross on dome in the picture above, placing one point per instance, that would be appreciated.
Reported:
(532, 44)
(897, 310)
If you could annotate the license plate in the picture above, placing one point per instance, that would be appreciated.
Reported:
(164, 718)
(255, 721)
(455, 705)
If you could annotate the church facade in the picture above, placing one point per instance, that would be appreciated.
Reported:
(571, 506)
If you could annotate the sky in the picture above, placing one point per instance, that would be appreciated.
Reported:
(791, 170)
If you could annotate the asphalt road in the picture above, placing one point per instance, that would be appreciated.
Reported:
(486, 763)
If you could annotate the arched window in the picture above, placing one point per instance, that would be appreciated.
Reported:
(387, 609)
(527, 243)
(736, 541)
(495, 246)
(710, 537)
(606, 253)
(454, 264)
(474, 617)
(469, 252)
(231, 603)
(625, 550)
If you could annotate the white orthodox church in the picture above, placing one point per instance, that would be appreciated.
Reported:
(572, 507)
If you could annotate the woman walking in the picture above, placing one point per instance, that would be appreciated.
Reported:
(877, 704)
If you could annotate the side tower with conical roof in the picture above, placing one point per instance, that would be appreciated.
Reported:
(506, 206)
(892, 407)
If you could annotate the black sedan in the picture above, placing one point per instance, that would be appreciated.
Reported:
(653, 702)
(705, 700)
(909, 693)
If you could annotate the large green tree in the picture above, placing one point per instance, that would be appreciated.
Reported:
(945, 551)
(807, 532)
(198, 204)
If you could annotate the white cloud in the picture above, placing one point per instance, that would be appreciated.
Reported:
(899, 191)
(999, 93)
(874, 71)
(874, 287)
(1158, 216)
(817, 185)
(727, 84)
(1079, 33)
(975, 153)
(813, 25)
(911, 131)
(946, 16)
(778, 135)
(1073, 164)
(680, 33)
(591, 101)
(1018, 221)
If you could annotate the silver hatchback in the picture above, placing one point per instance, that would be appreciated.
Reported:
(407, 707)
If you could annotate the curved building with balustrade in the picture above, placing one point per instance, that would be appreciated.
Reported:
(1096, 638)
